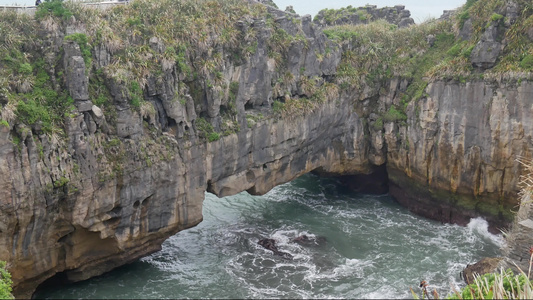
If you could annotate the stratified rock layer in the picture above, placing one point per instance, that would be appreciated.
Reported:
(463, 141)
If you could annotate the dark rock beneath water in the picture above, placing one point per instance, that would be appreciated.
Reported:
(304, 240)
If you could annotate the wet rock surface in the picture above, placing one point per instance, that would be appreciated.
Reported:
(270, 244)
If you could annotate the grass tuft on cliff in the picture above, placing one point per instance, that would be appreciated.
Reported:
(379, 51)
(515, 34)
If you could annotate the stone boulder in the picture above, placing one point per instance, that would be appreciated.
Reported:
(484, 266)
(488, 49)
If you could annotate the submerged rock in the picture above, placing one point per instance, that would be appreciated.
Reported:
(305, 240)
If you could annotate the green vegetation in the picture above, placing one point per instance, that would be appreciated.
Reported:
(62, 181)
(5, 282)
(378, 124)
(393, 115)
(469, 4)
(464, 14)
(483, 14)
(29, 88)
(148, 40)
(25, 69)
(55, 8)
(331, 16)
(277, 106)
(315, 93)
(252, 119)
(503, 285)
(341, 33)
(83, 43)
(213, 136)
(31, 112)
(391, 52)
(206, 130)
(496, 17)
(498, 285)
(527, 62)
(136, 96)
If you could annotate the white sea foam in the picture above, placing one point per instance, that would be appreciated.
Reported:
(481, 227)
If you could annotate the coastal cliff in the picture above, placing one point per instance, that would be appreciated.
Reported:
(115, 122)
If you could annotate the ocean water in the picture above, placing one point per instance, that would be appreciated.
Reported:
(367, 247)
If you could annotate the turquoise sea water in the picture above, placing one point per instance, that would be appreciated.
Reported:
(373, 248)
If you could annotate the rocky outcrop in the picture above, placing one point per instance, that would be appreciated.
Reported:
(396, 15)
(127, 174)
(488, 48)
(482, 267)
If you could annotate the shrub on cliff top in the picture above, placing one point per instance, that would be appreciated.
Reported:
(380, 51)
(5, 282)
(503, 285)
(53, 8)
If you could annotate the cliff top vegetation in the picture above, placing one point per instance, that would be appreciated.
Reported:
(147, 39)
(443, 49)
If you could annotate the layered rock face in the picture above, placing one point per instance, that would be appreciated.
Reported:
(462, 145)
(117, 184)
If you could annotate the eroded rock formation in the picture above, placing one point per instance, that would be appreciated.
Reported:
(127, 174)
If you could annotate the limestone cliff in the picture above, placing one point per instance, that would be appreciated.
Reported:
(115, 122)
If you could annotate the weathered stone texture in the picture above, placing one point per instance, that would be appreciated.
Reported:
(465, 141)
(114, 189)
